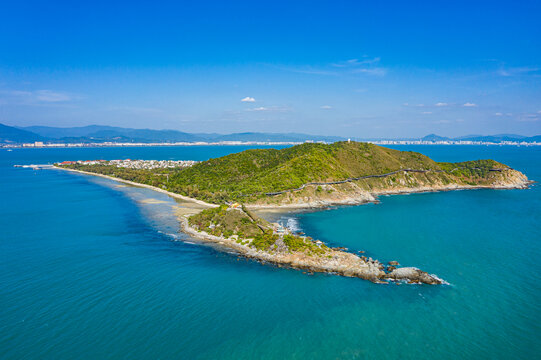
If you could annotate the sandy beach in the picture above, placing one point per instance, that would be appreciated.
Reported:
(173, 195)
(359, 198)
(335, 261)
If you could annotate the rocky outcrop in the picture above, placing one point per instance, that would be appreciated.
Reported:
(367, 190)
(333, 261)
(348, 192)
(413, 276)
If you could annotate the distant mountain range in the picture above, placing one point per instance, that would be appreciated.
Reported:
(15, 135)
(99, 134)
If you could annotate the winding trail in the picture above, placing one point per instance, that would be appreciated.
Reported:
(361, 178)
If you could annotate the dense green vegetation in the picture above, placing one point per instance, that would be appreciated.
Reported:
(250, 230)
(264, 241)
(472, 169)
(248, 175)
(296, 243)
(154, 177)
(222, 222)
(269, 170)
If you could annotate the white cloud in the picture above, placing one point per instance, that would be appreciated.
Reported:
(36, 97)
(269, 109)
(307, 70)
(357, 62)
(326, 107)
(364, 65)
(372, 71)
(248, 99)
(517, 70)
(441, 104)
(528, 118)
(539, 112)
(427, 112)
(18, 93)
(469, 104)
(136, 110)
(498, 114)
(51, 96)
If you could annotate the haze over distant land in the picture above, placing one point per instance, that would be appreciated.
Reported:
(361, 70)
(102, 134)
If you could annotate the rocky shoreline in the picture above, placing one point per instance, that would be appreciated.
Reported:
(357, 196)
(335, 261)
(342, 262)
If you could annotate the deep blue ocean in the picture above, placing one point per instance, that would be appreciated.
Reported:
(91, 269)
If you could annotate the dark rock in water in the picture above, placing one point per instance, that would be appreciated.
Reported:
(390, 268)
(363, 257)
(413, 275)
(394, 263)
(361, 251)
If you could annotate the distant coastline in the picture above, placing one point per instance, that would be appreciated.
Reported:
(109, 136)
(41, 145)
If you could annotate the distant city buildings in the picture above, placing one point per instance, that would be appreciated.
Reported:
(452, 142)
(152, 164)
(136, 164)
(40, 144)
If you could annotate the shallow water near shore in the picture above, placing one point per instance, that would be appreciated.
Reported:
(95, 269)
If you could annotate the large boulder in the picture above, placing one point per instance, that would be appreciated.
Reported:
(414, 275)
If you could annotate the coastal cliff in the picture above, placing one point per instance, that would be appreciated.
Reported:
(367, 190)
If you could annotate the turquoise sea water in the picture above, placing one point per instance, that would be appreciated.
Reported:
(91, 270)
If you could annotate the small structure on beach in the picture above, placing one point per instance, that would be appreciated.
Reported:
(279, 229)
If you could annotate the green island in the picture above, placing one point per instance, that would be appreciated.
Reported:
(304, 176)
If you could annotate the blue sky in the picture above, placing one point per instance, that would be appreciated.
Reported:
(349, 68)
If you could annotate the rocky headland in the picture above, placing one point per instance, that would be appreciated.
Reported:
(305, 176)
(238, 229)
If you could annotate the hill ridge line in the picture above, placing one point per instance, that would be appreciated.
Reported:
(360, 178)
